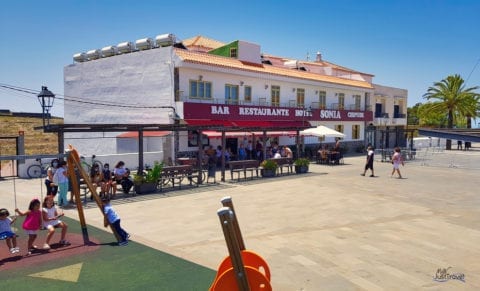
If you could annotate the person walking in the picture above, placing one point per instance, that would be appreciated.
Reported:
(396, 161)
(369, 163)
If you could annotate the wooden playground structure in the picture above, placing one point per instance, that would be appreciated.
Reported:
(73, 162)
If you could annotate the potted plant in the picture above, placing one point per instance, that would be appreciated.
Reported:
(268, 168)
(301, 165)
(147, 182)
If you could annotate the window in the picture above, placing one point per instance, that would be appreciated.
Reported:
(339, 128)
(275, 95)
(355, 131)
(300, 97)
(322, 99)
(247, 94)
(233, 52)
(200, 89)
(231, 94)
(341, 101)
(358, 100)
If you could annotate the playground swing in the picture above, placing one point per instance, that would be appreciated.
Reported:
(6, 235)
(73, 161)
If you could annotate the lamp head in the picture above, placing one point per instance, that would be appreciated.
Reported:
(46, 99)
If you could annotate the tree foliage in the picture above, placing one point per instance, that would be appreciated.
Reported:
(450, 97)
(451, 100)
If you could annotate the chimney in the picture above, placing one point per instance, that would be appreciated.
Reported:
(319, 57)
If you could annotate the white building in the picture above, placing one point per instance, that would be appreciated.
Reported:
(215, 85)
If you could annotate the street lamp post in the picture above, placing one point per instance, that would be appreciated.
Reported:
(46, 99)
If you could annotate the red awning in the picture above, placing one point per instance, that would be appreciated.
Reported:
(134, 134)
(250, 124)
(290, 133)
(218, 134)
(208, 122)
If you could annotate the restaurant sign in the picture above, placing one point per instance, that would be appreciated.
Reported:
(242, 112)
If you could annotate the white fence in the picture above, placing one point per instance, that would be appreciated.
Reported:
(439, 157)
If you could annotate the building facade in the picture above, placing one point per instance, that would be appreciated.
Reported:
(232, 88)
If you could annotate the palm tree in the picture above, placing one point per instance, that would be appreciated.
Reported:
(452, 98)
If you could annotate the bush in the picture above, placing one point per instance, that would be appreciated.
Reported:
(302, 162)
(151, 176)
(269, 165)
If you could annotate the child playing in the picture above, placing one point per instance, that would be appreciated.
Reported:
(112, 217)
(51, 221)
(6, 232)
(109, 185)
(32, 223)
(397, 160)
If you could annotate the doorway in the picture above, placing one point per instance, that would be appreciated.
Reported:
(232, 145)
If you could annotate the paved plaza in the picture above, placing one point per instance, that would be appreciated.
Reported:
(330, 229)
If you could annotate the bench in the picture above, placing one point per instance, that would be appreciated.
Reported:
(84, 191)
(284, 163)
(176, 174)
(243, 166)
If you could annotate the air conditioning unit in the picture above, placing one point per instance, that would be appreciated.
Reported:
(144, 43)
(125, 47)
(93, 54)
(80, 57)
(165, 40)
(109, 51)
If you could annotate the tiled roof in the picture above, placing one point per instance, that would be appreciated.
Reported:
(218, 61)
(201, 41)
(281, 60)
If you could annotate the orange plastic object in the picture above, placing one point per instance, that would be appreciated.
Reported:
(256, 280)
(250, 259)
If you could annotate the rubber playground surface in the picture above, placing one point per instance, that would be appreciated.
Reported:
(101, 264)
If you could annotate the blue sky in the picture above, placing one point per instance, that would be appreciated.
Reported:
(405, 44)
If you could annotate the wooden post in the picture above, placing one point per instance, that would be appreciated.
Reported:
(200, 157)
(140, 152)
(264, 145)
(223, 156)
(227, 202)
(226, 220)
(72, 163)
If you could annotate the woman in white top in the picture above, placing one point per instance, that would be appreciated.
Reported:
(60, 178)
(122, 177)
(51, 221)
(396, 161)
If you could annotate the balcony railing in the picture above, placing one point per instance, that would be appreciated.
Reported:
(381, 114)
(400, 115)
(354, 107)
